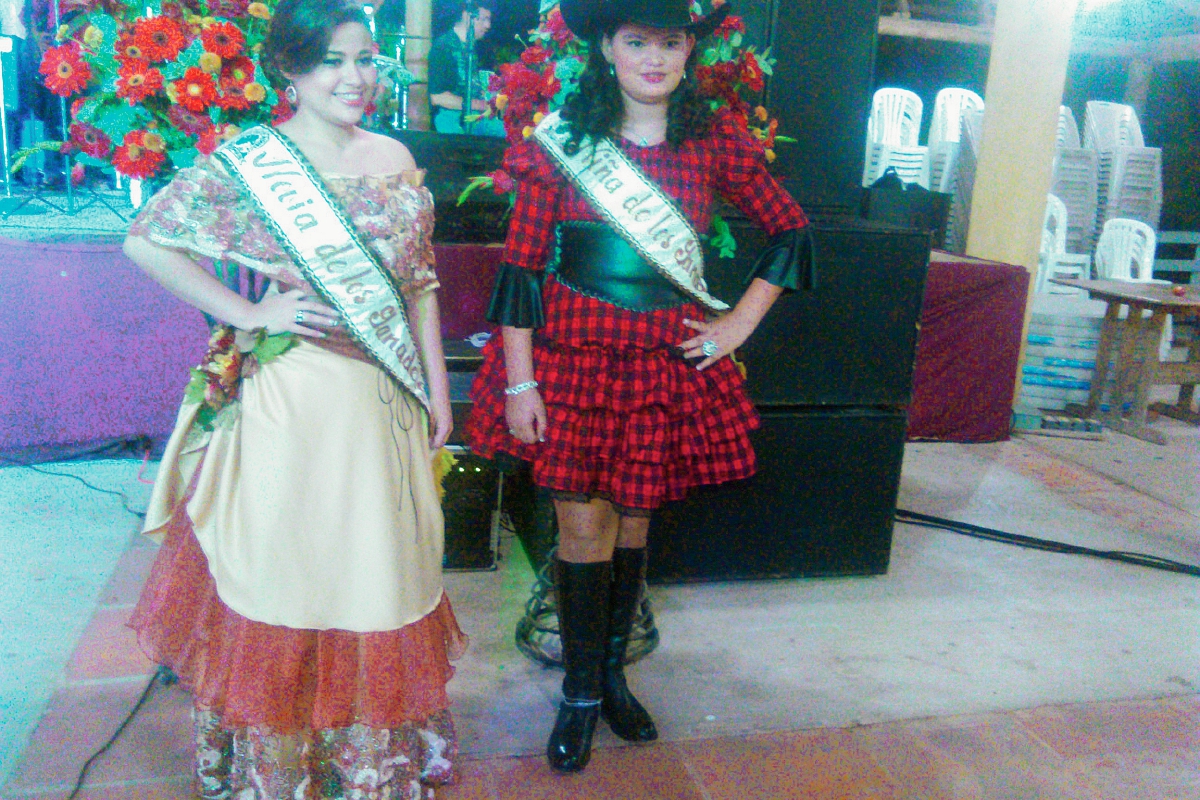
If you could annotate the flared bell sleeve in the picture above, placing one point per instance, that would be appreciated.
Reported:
(517, 297)
(788, 261)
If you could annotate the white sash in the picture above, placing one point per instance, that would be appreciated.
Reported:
(633, 205)
(313, 230)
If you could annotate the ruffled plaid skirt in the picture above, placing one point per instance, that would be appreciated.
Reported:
(629, 419)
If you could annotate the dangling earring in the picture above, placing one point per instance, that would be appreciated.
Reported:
(685, 74)
(612, 70)
(290, 94)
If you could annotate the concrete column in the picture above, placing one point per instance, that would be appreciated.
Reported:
(1137, 83)
(1026, 75)
(418, 22)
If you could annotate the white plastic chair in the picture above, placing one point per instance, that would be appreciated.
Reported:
(1053, 260)
(944, 133)
(1068, 128)
(1125, 252)
(895, 117)
(1108, 125)
(892, 132)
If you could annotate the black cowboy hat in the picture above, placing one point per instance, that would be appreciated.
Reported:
(589, 18)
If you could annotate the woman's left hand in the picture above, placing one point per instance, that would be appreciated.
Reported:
(441, 424)
(726, 333)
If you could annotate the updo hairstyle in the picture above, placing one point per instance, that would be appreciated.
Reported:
(299, 35)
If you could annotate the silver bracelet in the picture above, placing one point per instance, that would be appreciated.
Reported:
(520, 387)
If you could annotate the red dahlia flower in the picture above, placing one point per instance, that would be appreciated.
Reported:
(750, 72)
(237, 71)
(195, 91)
(64, 70)
(159, 38)
(134, 159)
(558, 29)
(535, 54)
(730, 25)
(137, 80)
(90, 140)
(502, 182)
(189, 122)
(223, 38)
(282, 111)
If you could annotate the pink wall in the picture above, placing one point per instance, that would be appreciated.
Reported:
(92, 349)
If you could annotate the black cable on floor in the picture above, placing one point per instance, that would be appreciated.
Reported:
(164, 676)
(991, 534)
(140, 445)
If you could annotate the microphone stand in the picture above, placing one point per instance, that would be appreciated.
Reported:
(469, 94)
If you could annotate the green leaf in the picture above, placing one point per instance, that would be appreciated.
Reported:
(736, 39)
(478, 182)
(269, 348)
(721, 237)
(173, 70)
(194, 392)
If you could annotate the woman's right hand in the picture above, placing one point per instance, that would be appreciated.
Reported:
(291, 312)
(526, 416)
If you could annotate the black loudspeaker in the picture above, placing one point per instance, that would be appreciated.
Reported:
(852, 339)
(9, 45)
(821, 92)
(470, 504)
(821, 504)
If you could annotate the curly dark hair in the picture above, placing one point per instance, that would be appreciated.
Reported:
(299, 35)
(596, 109)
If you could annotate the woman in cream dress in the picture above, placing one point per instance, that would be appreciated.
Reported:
(298, 591)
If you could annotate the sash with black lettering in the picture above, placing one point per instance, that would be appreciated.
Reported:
(313, 230)
(633, 205)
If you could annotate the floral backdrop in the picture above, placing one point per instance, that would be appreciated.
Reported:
(151, 86)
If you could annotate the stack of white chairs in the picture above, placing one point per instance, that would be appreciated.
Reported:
(1076, 178)
(1125, 252)
(1129, 174)
(1053, 260)
(945, 134)
(892, 133)
(970, 135)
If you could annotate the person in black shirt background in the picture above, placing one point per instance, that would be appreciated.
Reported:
(448, 74)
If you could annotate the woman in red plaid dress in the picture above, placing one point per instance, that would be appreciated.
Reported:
(609, 379)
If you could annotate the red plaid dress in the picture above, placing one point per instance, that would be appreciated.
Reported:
(629, 420)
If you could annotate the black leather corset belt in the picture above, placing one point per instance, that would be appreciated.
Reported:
(594, 260)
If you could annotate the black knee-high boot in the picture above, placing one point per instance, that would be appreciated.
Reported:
(624, 714)
(583, 592)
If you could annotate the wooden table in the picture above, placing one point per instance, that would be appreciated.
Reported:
(1133, 340)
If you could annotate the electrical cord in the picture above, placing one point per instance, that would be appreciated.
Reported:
(113, 449)
(991, 534)
(162, 675)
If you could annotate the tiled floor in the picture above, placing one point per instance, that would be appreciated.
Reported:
(1147, 747)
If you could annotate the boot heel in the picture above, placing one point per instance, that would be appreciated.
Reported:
(570, 746)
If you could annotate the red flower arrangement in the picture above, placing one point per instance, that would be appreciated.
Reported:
(64, 69)
(153, 92)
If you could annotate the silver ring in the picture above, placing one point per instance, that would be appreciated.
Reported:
(299, 316)
(709, 348)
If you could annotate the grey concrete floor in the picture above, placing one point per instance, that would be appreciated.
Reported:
(957, 626)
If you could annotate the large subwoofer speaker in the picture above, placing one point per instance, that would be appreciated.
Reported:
(821, 504)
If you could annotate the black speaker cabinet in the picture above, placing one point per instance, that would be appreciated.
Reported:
(472, 494)
(822, 504)
(821, 92)
(850, 341)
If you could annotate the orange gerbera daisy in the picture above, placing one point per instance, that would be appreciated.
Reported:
(159, 38)
(195, 91)
(134, 159)
(64, 70)
(137, 80)
(223, 38)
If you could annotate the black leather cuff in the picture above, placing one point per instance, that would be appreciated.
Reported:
(788, 261)
(517, 297)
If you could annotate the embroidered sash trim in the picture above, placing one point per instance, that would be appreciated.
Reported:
(313, 230)
(634, 206)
